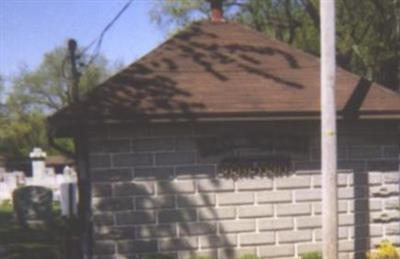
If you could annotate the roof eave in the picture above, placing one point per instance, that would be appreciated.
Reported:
(67, 127)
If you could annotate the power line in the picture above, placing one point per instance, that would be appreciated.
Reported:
(99, 39)
(96, 41)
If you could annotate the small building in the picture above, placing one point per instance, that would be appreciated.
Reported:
(209, 145)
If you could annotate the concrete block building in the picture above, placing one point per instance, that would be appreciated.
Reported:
(209, 145)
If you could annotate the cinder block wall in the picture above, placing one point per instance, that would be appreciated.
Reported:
(154, 192)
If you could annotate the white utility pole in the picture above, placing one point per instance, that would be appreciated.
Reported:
(328, 131)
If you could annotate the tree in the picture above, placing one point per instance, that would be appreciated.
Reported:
(37, 93)
(46, 88)
(367, 43)
(177, 13)
(1, 88)
(2, 102)
(19, 135)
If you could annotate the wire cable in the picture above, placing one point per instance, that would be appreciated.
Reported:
(99, 39)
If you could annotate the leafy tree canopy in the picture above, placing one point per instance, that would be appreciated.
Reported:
(47, 88)
(37, 93)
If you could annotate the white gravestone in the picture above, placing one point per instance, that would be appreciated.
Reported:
(69, 199)
(38, 157)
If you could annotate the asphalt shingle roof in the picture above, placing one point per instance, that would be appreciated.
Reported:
(225, 70)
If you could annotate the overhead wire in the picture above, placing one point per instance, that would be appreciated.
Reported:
(96, 41)
(99, 39)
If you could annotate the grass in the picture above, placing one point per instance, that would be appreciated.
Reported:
(41, 242)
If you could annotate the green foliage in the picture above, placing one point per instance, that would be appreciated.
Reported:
(311, 255)
(6, 211)
(386, 250)
(170, 13)
(249, 256)
(21, 133)
(1, 89)
(47, 88)
(35, 94)
(44, 242)
(367, 43)
(5, 205)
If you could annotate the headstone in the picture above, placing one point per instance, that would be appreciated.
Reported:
(11, 181)
(29, 181)
(69, 174)
(38, 157)
(69, 199)
(4, 192)
(33, 205)
(20, 178)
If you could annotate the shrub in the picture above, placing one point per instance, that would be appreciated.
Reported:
(249, 256)
(385, 250)
(5, 204)
(311, 255)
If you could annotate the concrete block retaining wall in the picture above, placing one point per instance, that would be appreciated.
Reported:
(154, 192)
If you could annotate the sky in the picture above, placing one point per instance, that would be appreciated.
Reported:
(30, 28)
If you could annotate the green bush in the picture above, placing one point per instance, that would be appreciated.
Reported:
(6, 204)
(311, 255)
(249, 256)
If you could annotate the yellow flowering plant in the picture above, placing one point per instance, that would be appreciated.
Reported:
(385, 250)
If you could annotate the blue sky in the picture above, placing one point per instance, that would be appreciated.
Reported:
(30, 28)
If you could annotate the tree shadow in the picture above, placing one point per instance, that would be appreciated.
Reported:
(361, 214)
(172, 207)
(353, 105)
(165, 83)
(218, 57)
(141, 219)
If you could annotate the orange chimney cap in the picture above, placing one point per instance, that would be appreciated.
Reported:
(216, 11)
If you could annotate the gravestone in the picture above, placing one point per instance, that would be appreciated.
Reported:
(69, 199)
(38, 157)
(33, 205)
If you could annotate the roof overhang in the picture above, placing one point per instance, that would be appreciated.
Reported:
(67, 128)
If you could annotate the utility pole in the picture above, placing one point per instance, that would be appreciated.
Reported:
(328, 131)
(72, 46)
(80, 161)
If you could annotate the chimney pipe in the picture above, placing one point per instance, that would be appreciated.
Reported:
(216, 11)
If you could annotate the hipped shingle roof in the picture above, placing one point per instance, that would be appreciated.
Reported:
(220, 70)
